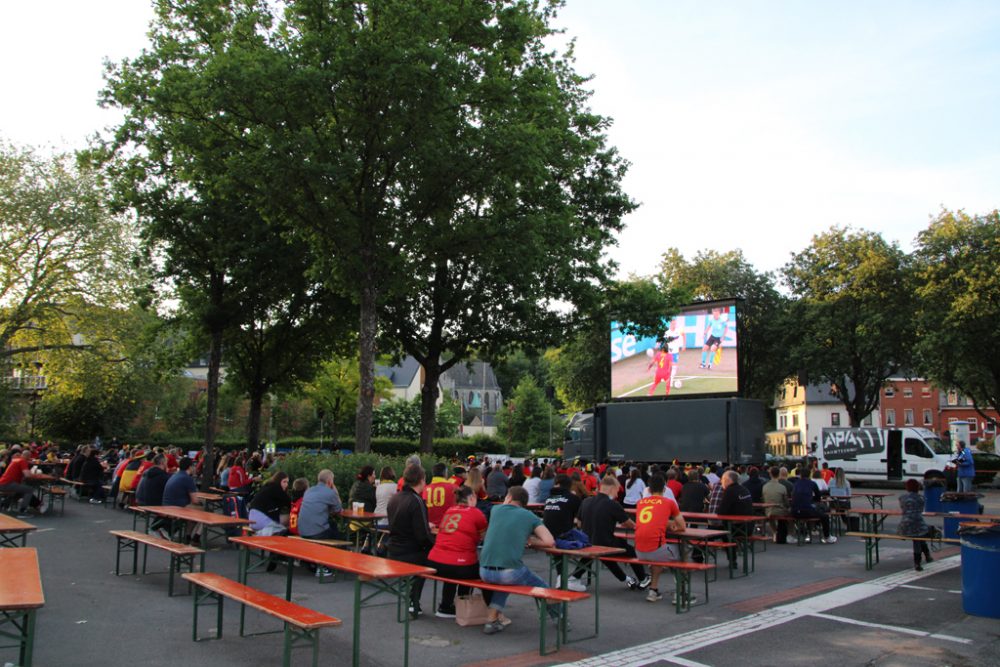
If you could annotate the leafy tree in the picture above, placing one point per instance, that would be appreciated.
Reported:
(512, 367)
(853, 319)
(958, 289)
(762, 312)
(65, 261)
(525, 418)
(334, 390)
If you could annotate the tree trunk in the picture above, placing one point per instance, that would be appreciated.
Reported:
(366, 363)
(429, 393)
(253, 419)
(211, 408)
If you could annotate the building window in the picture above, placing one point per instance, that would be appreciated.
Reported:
(928, 418)
(908, 417)
(486, 401)
(890, 417)
(890, 392)
(908, 392)
(795, 421)
(782, 422)
(835, 419)
(867, 421)
(925, 392)
(969, 402)
(952, 397)
(973, 425)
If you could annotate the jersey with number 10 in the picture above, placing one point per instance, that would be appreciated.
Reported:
(439, 496)
(652, 515)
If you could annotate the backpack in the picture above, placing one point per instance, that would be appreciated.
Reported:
(234, 506)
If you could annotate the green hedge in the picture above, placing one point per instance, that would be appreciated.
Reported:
(345, 467)
(443, 447)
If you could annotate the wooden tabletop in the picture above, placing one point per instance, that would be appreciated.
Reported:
(20, 580)
(697, 534)
(211, 497)
(732, 518)
(9, 524)
(338, 559)
(362, 515)
(189, 514)
(589, 552)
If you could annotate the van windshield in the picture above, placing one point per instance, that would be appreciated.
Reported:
(937, 446)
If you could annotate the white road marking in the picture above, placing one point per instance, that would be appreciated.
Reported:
(670, 648)
(928, 588)
(893, 628)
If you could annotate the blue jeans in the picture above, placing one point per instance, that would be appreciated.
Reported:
(965, 485)
(520, 576)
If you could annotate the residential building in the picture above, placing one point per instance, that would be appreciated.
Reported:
(954, 407)
(909, 402)
(801, 414)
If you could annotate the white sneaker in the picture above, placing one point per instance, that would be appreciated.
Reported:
(653, 595)
(631, 583)
(829, 540)
(575, 584)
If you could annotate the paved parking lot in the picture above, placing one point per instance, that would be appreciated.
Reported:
(814, 604)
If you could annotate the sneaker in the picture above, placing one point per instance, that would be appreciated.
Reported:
(23, 515)
(95, 501)
(493, 627)
(43, 507)
(443, 612)
(653, 595)
(576, 584)
(322, 572)
(829, 540)
(415, 612)
(504, 620)
(918, 568)
(644, 584)
(631, 583)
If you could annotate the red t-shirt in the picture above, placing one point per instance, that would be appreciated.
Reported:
(293, 517)
(651, 517)
(439, 496)
(827, 474)
(675, 487)
(237, 477)
(146, 465)
(171, 463)
(458, 536)
(14, 474)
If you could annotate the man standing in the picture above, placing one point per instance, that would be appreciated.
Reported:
(715, 334)
(966, 468)
(410, 538)
(511, 526)
(318, 503)
(600, 515)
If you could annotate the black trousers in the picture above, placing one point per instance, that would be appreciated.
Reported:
(921, 549)
(814, 512)
(416, 583)
(457, 572)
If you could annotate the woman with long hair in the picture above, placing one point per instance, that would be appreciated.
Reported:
(271, 506)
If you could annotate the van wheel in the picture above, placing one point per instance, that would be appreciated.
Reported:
(934, 474)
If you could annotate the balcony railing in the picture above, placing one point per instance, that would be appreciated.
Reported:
(25, 382)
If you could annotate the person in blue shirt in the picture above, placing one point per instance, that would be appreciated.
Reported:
(179, 492)
(715, 333)
(966, 468)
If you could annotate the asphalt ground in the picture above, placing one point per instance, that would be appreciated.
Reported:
(813, 605)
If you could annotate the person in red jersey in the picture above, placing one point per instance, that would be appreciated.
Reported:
(12, 483)
(454, 554)
(654, 516)
(439, 494)
(664, 363)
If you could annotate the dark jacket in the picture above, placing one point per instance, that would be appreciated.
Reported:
(363, 492)
(74, 467)
(912, 523)
(736, 501)
(150, 491)
(271, 500)
(755, 485)
(409, 531)
(91, 472)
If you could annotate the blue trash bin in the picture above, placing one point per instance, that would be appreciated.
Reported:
(980, 565)
(932, 497)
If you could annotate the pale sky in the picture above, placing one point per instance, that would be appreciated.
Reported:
(750, 124)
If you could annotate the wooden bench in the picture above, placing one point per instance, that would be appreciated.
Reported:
(709, 549)
(55, 494)
(872, 540)
(682, 576)
(542, 596)
(12, 530)
(77, 486)
(181, 555)
(20, 598)
(300, 624)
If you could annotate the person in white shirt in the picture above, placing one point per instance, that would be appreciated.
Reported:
(385, 490)
(533, 486)
(634, 487)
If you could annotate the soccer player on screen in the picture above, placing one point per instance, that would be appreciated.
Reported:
(664, 363)
(715, 333)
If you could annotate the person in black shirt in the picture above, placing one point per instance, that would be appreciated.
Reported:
(755, 485)
(561, 507)
(600, 515)
(694, 493)
(736, 499)
(271, 506)
(410, 538)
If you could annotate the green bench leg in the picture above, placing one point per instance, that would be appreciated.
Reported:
(200, 596)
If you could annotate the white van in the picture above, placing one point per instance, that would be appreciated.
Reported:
(883, 454)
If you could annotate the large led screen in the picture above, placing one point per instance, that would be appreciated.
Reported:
(695, 355)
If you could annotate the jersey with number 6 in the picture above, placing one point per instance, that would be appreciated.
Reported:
(458, 536)
(439, 496)
(652, 515)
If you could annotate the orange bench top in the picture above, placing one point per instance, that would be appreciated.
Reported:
(549, 594)
(590, 552)
(159, 542)
(189, 514)
(337, 559)
(21, 582)
(289, 612)
(9, 524)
